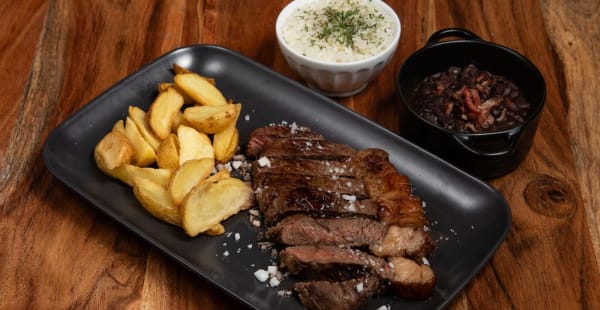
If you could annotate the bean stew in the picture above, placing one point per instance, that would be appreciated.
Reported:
(469, 100)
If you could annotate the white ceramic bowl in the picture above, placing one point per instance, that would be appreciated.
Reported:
(337, 79)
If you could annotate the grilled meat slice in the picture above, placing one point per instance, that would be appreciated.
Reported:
(411, 280)
(382, 241)
(342, 295)
(403, 241)
(306, 167)
(311, 201)
(401, 208)
(305, 230)
(308, 149)
(339, 185)
(333, 263)
(404, 277)
(262, 137)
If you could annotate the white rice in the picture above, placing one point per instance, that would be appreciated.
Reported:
(304, 26)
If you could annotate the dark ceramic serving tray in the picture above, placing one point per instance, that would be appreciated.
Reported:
(470, 219)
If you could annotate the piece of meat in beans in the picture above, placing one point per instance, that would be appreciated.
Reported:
(470, 100)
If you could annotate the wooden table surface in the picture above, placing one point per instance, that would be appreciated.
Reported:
(58, 251)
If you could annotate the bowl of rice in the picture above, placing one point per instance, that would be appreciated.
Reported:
(338, 46)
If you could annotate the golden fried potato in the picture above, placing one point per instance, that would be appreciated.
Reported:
(163, 110)
(209, 204)
(179, 69)
(156, 200)
(127, 173)
(143, 154)
(193, 144)
(139, 118)
(119, 126)
(167, 154)
(211, 119)
(199, 89)
(220, 175)
(187, 176)
(162, 87)
(113, 151)
(178, 120)
(225, 144)
(216, 230)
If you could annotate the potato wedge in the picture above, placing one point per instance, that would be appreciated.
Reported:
(113, 151)
(179, 69)
(139, 118)
(127, 173)
(187, 176)
(209, 204)
(162, 87)
(143, 154)
(178, 120)
(156, 200)
(199, 89)
(225, 144)
(216, 230)
(162, 111)
(220, 175)
(167, 154)
(119, 126)
(193, 144)
(210, 119)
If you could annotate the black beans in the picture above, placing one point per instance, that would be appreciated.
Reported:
(470, 100)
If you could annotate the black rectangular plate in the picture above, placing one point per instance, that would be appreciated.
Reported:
(470, 219)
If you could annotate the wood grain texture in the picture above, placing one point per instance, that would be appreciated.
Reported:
(57, 251)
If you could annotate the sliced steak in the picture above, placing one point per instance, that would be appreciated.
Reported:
(333, 263)
(306, 167)
(306, 230)
(411, 280)
(339, 185)
(311, 201)
(308, 149)
(262, 137)
(342, 295)
(403, 241)
(402, 209)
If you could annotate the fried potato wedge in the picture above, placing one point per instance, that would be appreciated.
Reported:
(156, 200)
(225, 144)
(162, 111)
(193, 144)
(187, 176)
(179, 69)
(127, 173)
(178, 120)
(211, 119)
(167, 154)
(216, 230)
(199, 89)
(112, 151)
(162, 87)
(209, 204)
(143, 154)
(139, 118)
(119, 126)
(220, 175)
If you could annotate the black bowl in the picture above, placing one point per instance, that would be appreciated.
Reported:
(488, 154)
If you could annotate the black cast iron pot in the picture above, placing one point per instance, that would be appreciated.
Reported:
(485, 155)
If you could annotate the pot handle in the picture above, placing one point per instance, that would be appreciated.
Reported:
(466, 142)
(452, 32)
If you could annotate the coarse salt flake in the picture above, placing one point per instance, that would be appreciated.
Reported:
(359, 287)
(261, 275)
(274, 282)
(264, 162)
